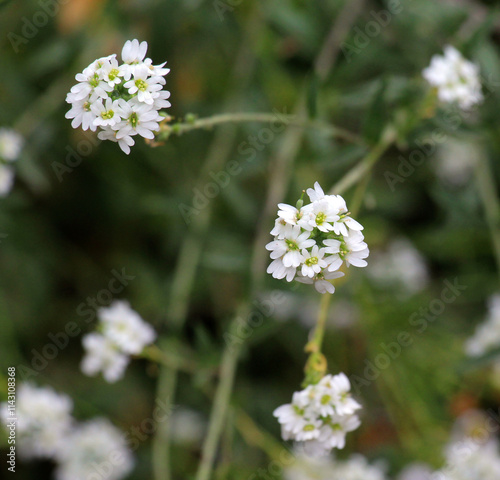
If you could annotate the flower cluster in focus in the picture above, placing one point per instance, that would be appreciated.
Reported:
(320, 416)
(122, 100)
(313, 241)
(45, 429)
(11, 144)
(456, 79)
(122, 332)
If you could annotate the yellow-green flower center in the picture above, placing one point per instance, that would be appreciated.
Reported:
(320, 218)
(311, 261)
(108, 114)
(113, 73)
(141, 85)
(291, 244)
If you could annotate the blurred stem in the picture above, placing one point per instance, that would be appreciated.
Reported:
(188, 125)
(489, 196)
(167, 382)
(166, 358)
(365, 165)
(255, 436)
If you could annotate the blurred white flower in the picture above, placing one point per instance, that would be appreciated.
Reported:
(456, 79)
(125, 328)
(320, 416)
(95, 449)
(102, 355)
(471, 459)
(312, 242)
(122, 332)
(43, 420)
(487, 334)
(355, 467)
(187, 426)
(456, 160)
(120, 100)
(401, 266)
(11, 144)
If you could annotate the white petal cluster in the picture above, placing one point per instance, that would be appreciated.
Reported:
(43, 420)
(469, 459)
(122, 332)
(311, 242)
(400, 267)
(356, 467)
(457, 80)
(121, 100)
(487, 335)
(96, 449)
(11, 144)
(320, 416)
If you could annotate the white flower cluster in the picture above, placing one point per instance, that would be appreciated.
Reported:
(11, 144)
(456, 79)
(95, 449)
(121, 100)
(43, 420)
(355, 467)
(313, 241)
(122, 332)
(470, 459)
(320, 415)
(487, 335)
(400, 267)
(45, 429)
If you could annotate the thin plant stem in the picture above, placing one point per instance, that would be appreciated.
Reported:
(180, 128)
(364, 166)
(489, 196)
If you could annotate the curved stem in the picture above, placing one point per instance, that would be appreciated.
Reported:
(188, 125)
(387, 138)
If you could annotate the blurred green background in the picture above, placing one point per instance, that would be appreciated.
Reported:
(113, 212)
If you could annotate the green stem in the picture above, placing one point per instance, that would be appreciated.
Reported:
(489, 196)
(167, 382)
(362, 168)
(180, 128)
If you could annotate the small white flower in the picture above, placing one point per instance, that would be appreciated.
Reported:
(487, 334)
(96, 449)
(124, 142)
(102, 355)
(133, 51)
(137, 118)
(43, 420)
(279, 271)
(456, 79)
(313, 261)
(290, 246)
(125, 328)
(108, 112)
(317, 415)
(111, 72)
(81, 113)
(143, 85)
(11, 144)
